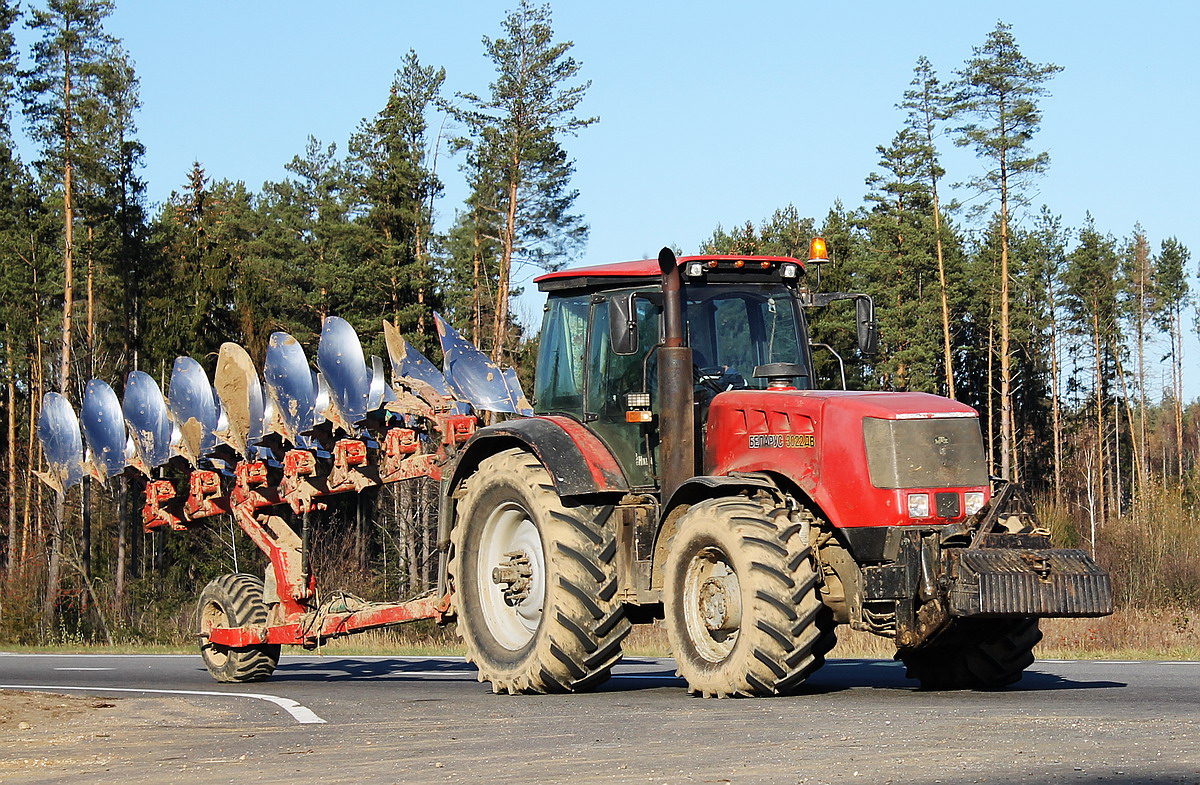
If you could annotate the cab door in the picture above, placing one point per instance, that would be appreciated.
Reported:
(611, 377)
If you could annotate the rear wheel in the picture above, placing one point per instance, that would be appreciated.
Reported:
(978, 654)
(535, 581)
(235, 600)
(742, 609)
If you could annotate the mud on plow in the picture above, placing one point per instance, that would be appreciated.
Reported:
(271, 450)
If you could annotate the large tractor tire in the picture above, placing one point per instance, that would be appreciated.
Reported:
(741, 603)
(235, 600)
(980, 654)
(535, 581)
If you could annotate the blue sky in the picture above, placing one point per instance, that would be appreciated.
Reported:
(710, 112)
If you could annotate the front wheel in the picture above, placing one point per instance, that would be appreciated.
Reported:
(976, 654)
(741, 604)
(235, 600)
(535, 581)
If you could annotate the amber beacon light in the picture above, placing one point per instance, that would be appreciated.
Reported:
(818, 252)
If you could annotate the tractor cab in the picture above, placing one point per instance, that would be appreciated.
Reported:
(603, 328)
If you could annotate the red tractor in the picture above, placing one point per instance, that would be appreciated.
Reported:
(677, 464)
(681, 467)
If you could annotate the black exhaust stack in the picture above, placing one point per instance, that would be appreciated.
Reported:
(677, 430)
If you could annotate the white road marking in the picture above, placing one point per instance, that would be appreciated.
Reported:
(85, 669)
(301, 714)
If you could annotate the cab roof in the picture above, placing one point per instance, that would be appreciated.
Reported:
(640, 272)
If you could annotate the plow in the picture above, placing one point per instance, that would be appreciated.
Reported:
(269, 450)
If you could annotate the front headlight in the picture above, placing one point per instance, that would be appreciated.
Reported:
(918, 505)
(973, 501)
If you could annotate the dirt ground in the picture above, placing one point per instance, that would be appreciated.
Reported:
(34, 710)
(44, 735)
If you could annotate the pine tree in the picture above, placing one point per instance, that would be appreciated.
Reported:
(313, 246)
(23, 277)
(784, 233)
(209, 284)
(929, 104)
(391, 161)
(1046, 248)
(521, 173)
(1138, 304)
(1092, 289)
(997, 93)
(834, 326)
(65, 102)
(899, 261)
(79, 98)
(1174, 296)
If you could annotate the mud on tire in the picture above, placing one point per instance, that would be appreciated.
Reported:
(535, 581)
(235, 600)
(983, 654)
(742, 609)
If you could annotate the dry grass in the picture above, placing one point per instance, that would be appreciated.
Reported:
(1129, 634)
(1135, 634)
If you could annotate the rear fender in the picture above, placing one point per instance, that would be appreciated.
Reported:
(578, 462)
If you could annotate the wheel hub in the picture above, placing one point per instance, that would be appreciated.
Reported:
(712, 603)
(514, 575)
(721, 603)
(510, 574)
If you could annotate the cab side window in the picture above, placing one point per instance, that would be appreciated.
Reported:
(559, 385)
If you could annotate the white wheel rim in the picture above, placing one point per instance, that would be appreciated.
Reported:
(510, 529)
(711, 581)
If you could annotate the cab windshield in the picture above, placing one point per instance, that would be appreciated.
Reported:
(733, 329)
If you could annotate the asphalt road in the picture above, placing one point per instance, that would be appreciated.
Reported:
(418, 720)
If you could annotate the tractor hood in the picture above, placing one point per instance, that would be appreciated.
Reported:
(857, 455)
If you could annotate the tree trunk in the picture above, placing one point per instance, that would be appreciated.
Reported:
(1115, 500)
(54, 571)
(476, 282)
(33, 450)
(68, 231)
(1138, 449)
(500, 325)
(1055, 413)
(947, 348)
(10, 556)
(1099, 385)
(991, 395)
(1177, 391)
(122, 542)
(1142, 271)
(1006, 424)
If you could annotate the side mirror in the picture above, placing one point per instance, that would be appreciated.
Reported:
(622, 324)
(868, 330)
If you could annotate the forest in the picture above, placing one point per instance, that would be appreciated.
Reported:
(1067, 340)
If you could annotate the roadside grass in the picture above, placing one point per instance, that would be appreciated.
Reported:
(1129, 634)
